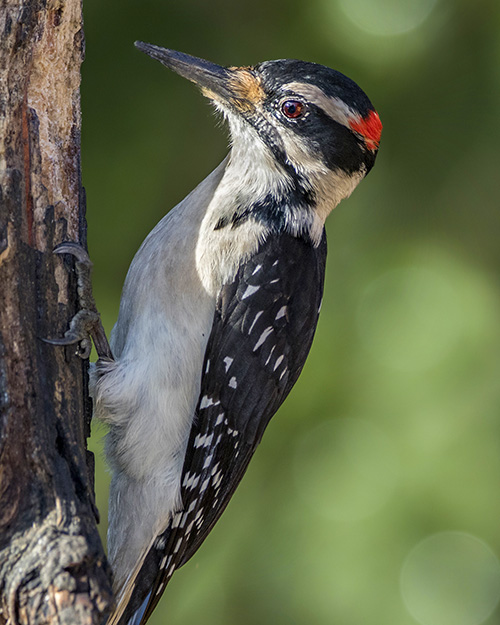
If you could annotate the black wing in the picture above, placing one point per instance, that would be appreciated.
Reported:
(263, 328)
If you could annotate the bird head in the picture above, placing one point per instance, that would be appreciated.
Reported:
(308, 122)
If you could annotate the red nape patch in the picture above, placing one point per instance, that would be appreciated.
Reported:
(369, 127)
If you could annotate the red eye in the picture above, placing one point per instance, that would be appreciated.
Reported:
(292, 109)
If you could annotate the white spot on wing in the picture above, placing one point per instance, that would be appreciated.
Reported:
(263, 337)
(178, 545)
(228, 361)
(160, 589)
(278, 362)
(218, 480)
(254, 321)
(160, 543)
(215, 469)
(176, 520)
(232, 382)
(191, 482)
(250, 290)
(258, 268)
(199, 514)
(203, 440)
(206, 402)
(281, 313)
(270, 354)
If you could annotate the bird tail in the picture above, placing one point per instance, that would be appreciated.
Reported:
(138, 614)
(125, 595)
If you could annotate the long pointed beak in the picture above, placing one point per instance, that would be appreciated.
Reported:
(236, 86)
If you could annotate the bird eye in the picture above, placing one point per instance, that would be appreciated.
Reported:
(292, 109)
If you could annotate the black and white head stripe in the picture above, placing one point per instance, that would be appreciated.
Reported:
(333, 106)
(338, 121)
(333, 84)
(262, 332)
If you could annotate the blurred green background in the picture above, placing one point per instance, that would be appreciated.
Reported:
(374, 497)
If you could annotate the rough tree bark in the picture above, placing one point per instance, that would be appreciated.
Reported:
(52, 565)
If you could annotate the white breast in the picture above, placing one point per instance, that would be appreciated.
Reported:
(158, 342)
(148, 395)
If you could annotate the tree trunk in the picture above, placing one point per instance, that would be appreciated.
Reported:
(52, 564)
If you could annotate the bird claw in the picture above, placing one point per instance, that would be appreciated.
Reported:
(82, 327)
(76, 250)
(86, 325)
(84, 344)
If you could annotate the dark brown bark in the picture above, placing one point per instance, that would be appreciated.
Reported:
(52, 565)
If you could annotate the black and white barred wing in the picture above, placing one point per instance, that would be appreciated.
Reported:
(262, 332)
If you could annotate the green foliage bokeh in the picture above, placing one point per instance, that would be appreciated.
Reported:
(374, 496)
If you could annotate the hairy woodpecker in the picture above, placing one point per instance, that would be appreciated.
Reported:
(219, 310)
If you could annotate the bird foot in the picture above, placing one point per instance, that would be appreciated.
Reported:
(86, 325)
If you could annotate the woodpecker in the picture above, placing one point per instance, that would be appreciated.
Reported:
(219, 309)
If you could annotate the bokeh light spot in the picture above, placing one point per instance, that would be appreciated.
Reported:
(387, 17)
(410, 318)
(345, 469)
(451, 578)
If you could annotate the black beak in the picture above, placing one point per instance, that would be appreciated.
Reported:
(205, 74)
(236, 86)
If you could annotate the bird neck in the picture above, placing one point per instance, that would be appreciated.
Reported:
(272, 194)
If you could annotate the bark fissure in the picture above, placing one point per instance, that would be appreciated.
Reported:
(52, 564)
